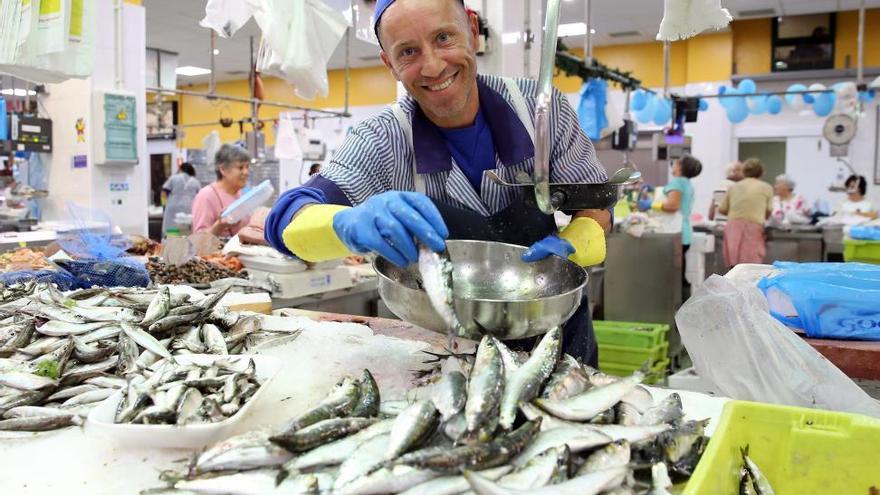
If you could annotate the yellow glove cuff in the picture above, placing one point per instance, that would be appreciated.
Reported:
(657, 206)
(588, 239)
(310, 236)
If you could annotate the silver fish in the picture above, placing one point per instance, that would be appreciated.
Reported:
(17, 335)
(539, 470)
(57, 328)
(568, 379)
(369, 397)
(158, 308)
(146, 340)
(257, 482)
(93, 351)
(82, 372)
(615, 454)
(385, 480)
(627, 414)
(188, 407)
(525, 383)
(106, 381)
(760, 482)
(660, 482)
(26, 381)
(577, 439)
(411, 425)
(42, 346)
(585, 406)
(485, 385)
(35, 411)
(107, 332)
(450, 394)
(39, 423)
(69, 392)
(90, 397)
(436, 270)
(365, 458)
(246, 451)
(667, 411)
(320, 433)
(338, 451)
(591, 484)
(26, 398)
(454, 485)
(512, 360)
(53, 313)
(213, 339)
(640, 398)
(339, 402)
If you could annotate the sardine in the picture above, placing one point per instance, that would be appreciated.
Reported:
(42, 346)
(364, 459)
(539, 470)
(411, 425)
(82, 372)
(105, 381)
(525, 383)
(340, 402)
(213, 339)
(128, 355)
(591, 484)
(678, 442)
(26, 381)
(369, 399)
(56, 328)
(450, 394)
(188, 407)
(660, 482)
(90, 397)
(257, 482)
(454, 485)
(761, 483)
(668, 411)
(320, 433)
(26, 398)
(158, 308)
(385, 480)
(17, 336)
(577, 439)
(53, 313)
(242, 452)
(485, 385)
(170, 322)
(146, 340)
(627, 414)
(510, 359)
(585, 406)
(436, 270)
(39, 423)
(92, 352)
(568, 379)
(615, 454)
(34, 411)
(338, 451)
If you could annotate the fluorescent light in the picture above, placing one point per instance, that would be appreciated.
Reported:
(573, 29)
(216, 51)
(18, 92)
(592, 30)
(189, 70)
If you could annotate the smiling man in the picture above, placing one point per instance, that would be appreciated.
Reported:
(415, 173)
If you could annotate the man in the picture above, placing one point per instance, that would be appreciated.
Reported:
(438, 141)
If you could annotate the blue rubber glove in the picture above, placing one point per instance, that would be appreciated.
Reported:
(548, 246)
(389, 224)
(645, 204)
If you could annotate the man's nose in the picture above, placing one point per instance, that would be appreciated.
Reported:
(433, 65)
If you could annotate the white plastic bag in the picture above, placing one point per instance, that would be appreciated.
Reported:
(211, 144)
(228, 16)
(747, 354)
(683, 19)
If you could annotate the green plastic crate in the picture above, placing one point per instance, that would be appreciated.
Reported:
(800, 451)
(861, 251)
(634, 356)
(658, 372)
(630, 334)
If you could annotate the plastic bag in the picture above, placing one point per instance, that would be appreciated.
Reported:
(227, 16)
(591, 110)
(119, 272)
(683, 19)
(865, 232)
(748, 355)
(830, 300)
(62, 279)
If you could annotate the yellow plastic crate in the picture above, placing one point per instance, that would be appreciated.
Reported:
(658, 372)
(861, 251)
(634, 356)
(630, 334)
(800, 451)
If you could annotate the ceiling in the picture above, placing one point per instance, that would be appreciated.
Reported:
(173, 25)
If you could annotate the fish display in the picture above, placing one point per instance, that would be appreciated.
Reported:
(62, 354)
(481, 429)
(752, 480)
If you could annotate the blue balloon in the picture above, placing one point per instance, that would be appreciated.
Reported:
(792, 100)
(758, 104)
(646, 114)
(727, 99)
(704, 105)
(639, 100)
(809, 99)
(774, 104)
(867, 96)
(737, 110)
(824, 104)
(662, 111)
(747, 87)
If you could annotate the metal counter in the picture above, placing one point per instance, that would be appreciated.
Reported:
(801, 243)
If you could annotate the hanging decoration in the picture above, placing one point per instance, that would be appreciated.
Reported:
(683, 19)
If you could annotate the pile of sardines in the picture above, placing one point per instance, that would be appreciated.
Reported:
(182, 394)
(508, 425)
(63, 353)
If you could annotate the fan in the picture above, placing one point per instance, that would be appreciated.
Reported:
(839, 130)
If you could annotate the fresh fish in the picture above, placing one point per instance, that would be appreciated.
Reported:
(577, 439)
(385, 480)
(305, 484)
(679, 442)
(188, 407)
(209, 302)
(450, 394)
(90, 397)
(39, 423)
(320, 433)
(107, 314)
(158, 308)
(632, 434)
(660, 482)
(34, 412)
(146, 340)
(92, 352)
(26, 381)
(668, 411)
(58, 358)
(18, 335)
(79, 373)
(338, 403)
(436, 270)
(483, 456)
(539, 470)
(26, 398)
(760, 482)
(135, 398)
(242, 452)
(69, 392)
(368, 456)
(456, 427)
(568, 379)
(128, 355)
(640, 398)
(411, 426)
(42, 346)
(615, 454)
(591, 484)
(627, 414)
(256, 482)
(510, 359)
(597, 378)
(57, 328)
(191, 309)
(585, 406)
(213, 339)
(485, 385)
(369, 399)
(525, 383)
(105, 381)
(454, 485)
(107, 332)
(53, 313)
(338, 451)
(241, 328)
(170, 322)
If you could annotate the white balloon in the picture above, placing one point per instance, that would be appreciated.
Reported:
(847, 97)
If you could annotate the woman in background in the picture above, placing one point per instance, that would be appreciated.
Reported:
(788, 207)
(233, 166)
(747, 205)
(179, 190)
(855, 203)
(733, 173)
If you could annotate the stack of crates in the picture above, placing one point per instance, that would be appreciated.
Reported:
(625, 346)
(861, 251)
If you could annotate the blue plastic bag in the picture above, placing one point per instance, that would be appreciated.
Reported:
(61, 278)
(832, 300)
(591, 110)
(864, 233)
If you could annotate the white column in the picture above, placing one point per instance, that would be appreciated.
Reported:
(508, 23)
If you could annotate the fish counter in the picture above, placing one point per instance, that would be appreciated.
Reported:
(313, 403)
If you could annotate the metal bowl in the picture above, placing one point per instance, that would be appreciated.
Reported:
(511, 299)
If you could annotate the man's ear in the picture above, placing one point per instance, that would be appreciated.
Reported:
(474, 25)
(387, 61)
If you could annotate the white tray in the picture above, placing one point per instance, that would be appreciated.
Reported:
(100, 420)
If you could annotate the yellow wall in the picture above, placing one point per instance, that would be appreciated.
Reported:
(751, 45)
(846, 42)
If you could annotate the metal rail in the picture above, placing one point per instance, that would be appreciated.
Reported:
(238, 99)
(543, 108)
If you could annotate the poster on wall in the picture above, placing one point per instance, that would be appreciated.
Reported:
(161, 119)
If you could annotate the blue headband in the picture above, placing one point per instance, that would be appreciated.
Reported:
(381, 6)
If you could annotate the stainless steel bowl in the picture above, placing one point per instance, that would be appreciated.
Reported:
(492, 286)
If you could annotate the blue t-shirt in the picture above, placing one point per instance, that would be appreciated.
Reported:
(472, 148)
(683, 185)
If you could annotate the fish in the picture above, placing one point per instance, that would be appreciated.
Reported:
(159, 306)
(213, 339)
(209, 302)
(249, 450)
(627, 414)
(385, 480)
(509, 358)
(57, 358)
(40, 423)
(188, 407)
(106, 381)
(760, 482)
(450, 394)
(455, 428)
(107, 332)
(590, 484)
(577, 439)
(337, 451)
(26, 381)
(241, 328)
(411, 426)
(92, 352)
(89, 397)
(369, 399)
(539, 470)
(640, 398)
(615, 454)
(338, 403)
(128, 355)
(525, 383)
(678, 442)
(436, 270)
(43, 345)
(453, 485)
(485, 384)
(25, 398)
(53, 313)
(660, 482)
(171, 322)
(367, 457)
(57, 328)
(79, 373)
(633, 434)
(145, 340)
(320, 433)
(667, 411)
(18, 336)
(587, 405)
(567, 379)
(256, 482)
